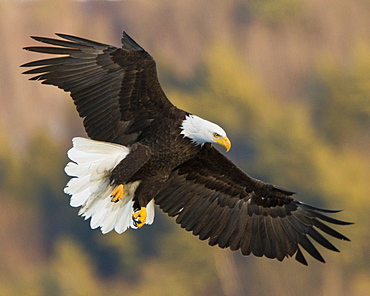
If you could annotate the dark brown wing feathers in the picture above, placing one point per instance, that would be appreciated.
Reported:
(217, 201)
(115, 90)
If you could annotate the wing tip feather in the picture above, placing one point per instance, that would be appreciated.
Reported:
(129, 43)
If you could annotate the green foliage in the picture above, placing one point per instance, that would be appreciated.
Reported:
(10, 165)
(71, 271)
(342, 98)
(274, 12)
(177, 249)
(126, 251)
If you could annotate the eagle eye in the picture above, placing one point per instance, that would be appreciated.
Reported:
(216, 135)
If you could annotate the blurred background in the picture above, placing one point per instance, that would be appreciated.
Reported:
(289, 80)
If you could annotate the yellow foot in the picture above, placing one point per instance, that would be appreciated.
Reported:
(139, 217)
(117, 193)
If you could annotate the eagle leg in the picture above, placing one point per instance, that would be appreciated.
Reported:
(117, 193)
(139, 217)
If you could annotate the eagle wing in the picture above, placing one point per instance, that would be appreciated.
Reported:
(115, 90)
(215, 200)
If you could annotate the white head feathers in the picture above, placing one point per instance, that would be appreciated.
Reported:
(202, 131)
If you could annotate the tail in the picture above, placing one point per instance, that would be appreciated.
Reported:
(92, 163)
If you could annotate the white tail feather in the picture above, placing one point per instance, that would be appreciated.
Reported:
(93, 161)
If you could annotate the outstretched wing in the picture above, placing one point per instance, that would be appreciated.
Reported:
(215, 200)
(115, 90)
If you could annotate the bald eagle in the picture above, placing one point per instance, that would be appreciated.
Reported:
(143, 150)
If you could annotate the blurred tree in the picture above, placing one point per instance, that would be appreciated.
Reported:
(71, 271)
(276, 12)
(342, 98)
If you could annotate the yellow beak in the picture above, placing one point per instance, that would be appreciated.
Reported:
(224, 142)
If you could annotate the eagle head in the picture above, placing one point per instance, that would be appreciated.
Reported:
(202, 131)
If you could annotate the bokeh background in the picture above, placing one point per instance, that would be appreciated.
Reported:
(288, 79)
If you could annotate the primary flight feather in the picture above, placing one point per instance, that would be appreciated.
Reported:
(144, 150)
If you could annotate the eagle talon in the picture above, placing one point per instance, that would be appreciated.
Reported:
(138, 223)
(117, 193)
(139, 217)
